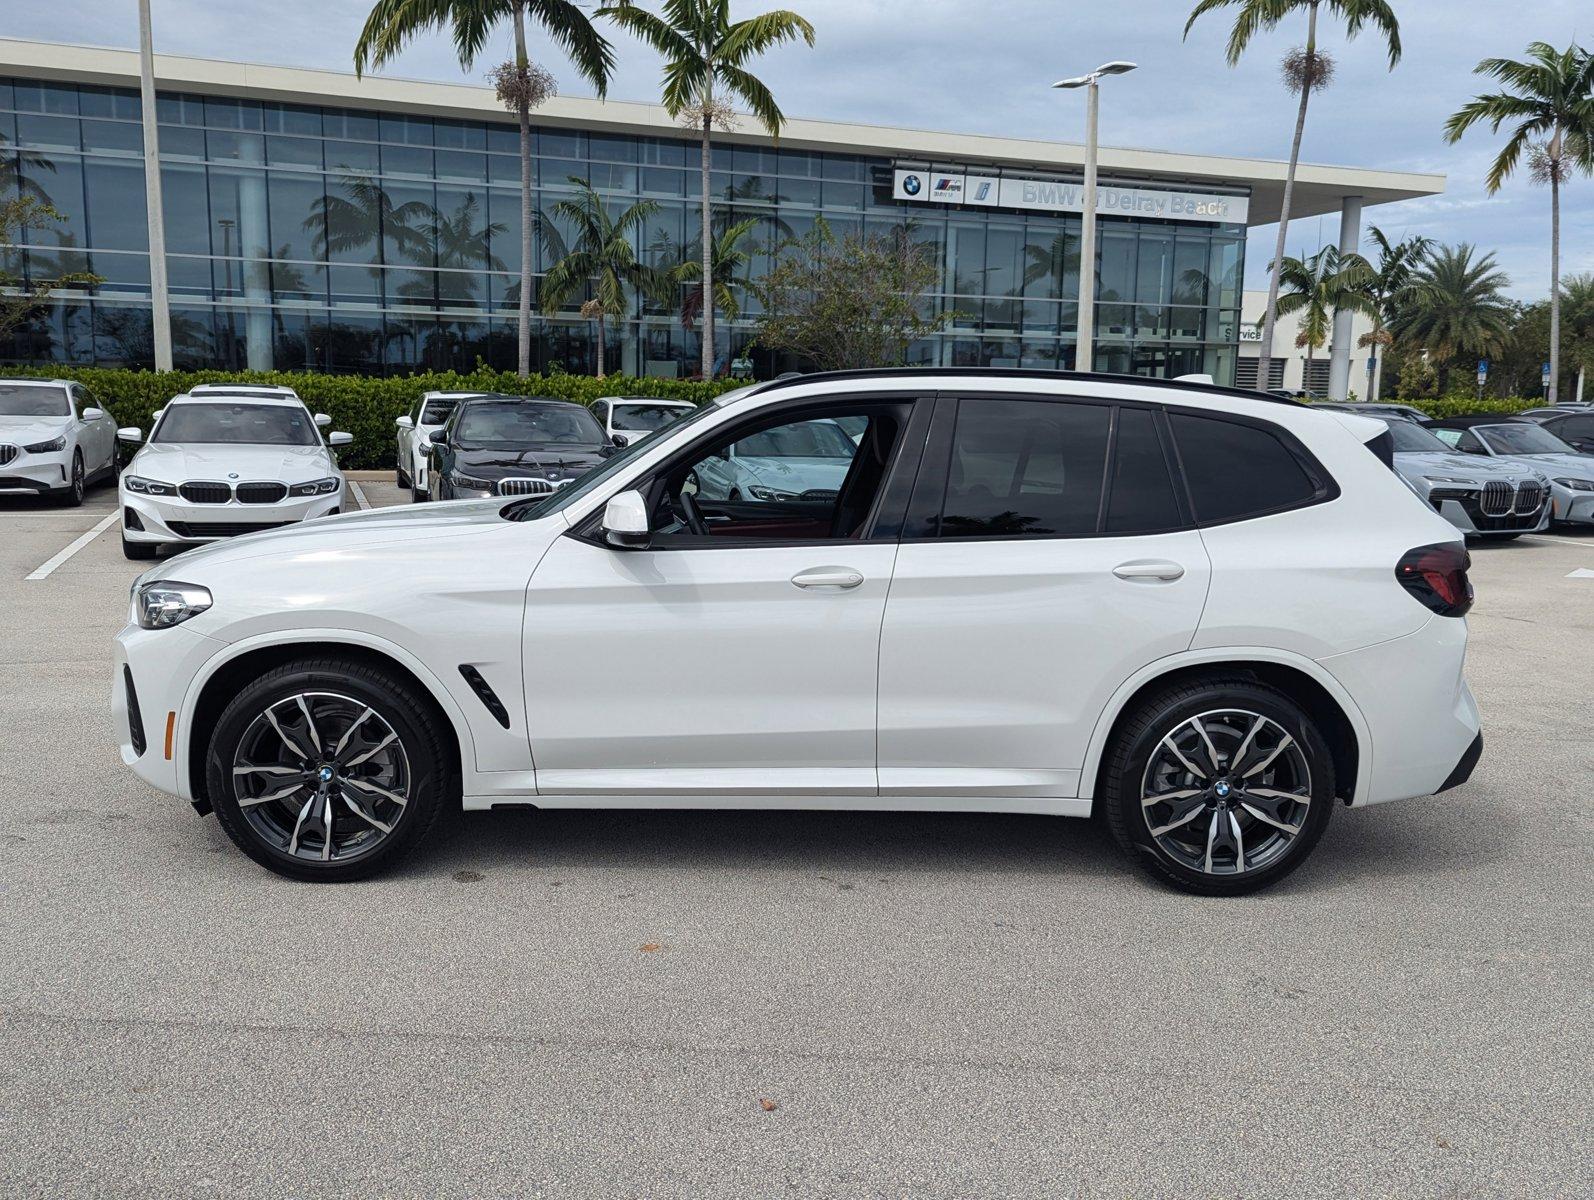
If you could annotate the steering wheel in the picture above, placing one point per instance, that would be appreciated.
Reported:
(691, 514)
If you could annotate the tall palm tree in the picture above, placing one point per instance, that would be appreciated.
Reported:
(1387, 288)
(1455, 307)
(1549, 99)
(603, 256)
(1317, 288)
(1577, 311)
(521, 84)
(705, 56)
(729, 259)
(1305, 71)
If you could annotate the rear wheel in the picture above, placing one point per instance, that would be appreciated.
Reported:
(327, 769)
(1219, 787)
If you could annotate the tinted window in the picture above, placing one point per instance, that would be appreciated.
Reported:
(435, 412)
(1237, 471)
(1574, 427)
(244, 424)
(1142, 496)
(510, 426)
(1025, 468)
(1523, 439)
(31, 400)
(1414, 439)
(632, 417)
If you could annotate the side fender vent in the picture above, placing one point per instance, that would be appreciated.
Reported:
(485, 694)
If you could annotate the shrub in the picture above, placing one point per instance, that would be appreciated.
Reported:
(365, 407)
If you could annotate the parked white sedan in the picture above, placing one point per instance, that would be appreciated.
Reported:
(415, 431)
(223, 465)
(54, 440)
(632, 418)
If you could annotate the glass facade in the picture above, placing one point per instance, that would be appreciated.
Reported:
(304, 237)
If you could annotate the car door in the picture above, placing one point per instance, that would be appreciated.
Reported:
(97, 437)
(736, 655)
(1047, 557)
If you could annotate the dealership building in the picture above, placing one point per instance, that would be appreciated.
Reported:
(314, 220)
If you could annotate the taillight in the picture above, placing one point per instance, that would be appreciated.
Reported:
(1437, 576)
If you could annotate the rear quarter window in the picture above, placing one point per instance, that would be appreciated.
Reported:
(1237, 470)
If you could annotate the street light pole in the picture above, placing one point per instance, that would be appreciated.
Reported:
(160, 298)
(1084, 349)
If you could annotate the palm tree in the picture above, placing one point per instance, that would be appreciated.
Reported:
(1305, 71)
(1550, 100)
(1577, 310)
(729, 260)
(1318, 287)
(1455, 307)
(706, 53)
(604, 256)
(1386, 289)
(521, 84)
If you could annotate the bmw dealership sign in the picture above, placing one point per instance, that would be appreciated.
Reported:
(1050, 195)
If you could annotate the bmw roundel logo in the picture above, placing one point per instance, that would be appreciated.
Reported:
(911, 184)
(232, 475)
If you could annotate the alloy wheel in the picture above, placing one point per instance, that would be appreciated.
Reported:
(1226, 792)
(321, 777)
(78, 487)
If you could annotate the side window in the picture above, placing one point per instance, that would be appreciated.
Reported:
(1448, 436)
(1574, 427)
(1141, 497)
(1468, 443)
(1025, 468)
(1236, 471)
(600, 410)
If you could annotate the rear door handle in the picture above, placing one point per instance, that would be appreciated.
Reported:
(840, 578)
(1149, 568)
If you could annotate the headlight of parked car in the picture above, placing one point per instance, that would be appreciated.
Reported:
(1455, 479)
(1577, 485)
(764, 493)
(470, 482)
(165, 602)
(316, 487)
(49, 447)
(148, 487)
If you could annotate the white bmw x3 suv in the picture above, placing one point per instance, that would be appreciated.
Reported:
(222, 464)
(1211, 616)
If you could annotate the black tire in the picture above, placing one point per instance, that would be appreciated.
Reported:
(392, 698)
(138, 550)
(1165, 714)
(418, 497)
(71, 496)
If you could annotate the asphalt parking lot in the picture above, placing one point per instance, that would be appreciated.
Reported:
(677, 1004)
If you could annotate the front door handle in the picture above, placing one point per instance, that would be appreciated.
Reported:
(1149, 568)
(839, 578)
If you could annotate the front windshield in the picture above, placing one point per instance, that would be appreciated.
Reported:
(807, 439)
(219, 423)
(33, 400)
(513, 425)
(1414, 439)
(1523, 439)
(593, 480)
(636, 417)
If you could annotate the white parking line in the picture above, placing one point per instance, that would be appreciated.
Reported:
(1581, 573)
(359, 494)
(1586, 543)
(72, 548)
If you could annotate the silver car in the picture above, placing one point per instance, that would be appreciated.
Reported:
(1524, 444)
(807, 460)
(1479, 496)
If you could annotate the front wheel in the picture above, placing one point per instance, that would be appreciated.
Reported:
(328, 769)
(1219, 787)
(71, 496)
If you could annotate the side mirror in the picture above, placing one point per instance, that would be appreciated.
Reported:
(93, 414)
(619, 439)
(130, 433)
(439, 438)
(340, 439)
(625, 522)
(404, 423)
(322, 420)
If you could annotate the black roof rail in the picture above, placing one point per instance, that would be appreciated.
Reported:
(792, 380)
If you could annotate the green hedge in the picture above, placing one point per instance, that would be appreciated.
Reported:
(1460, 405)
(365, 407)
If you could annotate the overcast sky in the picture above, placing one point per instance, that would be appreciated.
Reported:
(983, 66)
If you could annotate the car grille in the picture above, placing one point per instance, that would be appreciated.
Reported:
(261, 493)
(1495, 498)
(1530, 497)
(221, 529)
(529, 487)
(7, 453)
(205, 493)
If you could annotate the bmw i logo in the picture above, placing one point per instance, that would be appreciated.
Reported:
(911, 184)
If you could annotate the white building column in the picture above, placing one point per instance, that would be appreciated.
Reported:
(1350, 239)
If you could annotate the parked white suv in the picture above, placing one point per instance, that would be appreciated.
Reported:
(54, 440)
(221, 465)
(1210, 615)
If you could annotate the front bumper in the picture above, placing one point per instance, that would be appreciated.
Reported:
(36, 472)
(1574, 508)
(165, 519)
(161, 664)
(1468, 516)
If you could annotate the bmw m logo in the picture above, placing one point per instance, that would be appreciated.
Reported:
(911, 184)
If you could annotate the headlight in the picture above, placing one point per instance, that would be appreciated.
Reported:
(165, 603)
(49, 447)
(764, 493)
(470, 482)
(316, 487)
(1577, 485)
(148, 487)
(1455, 479)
